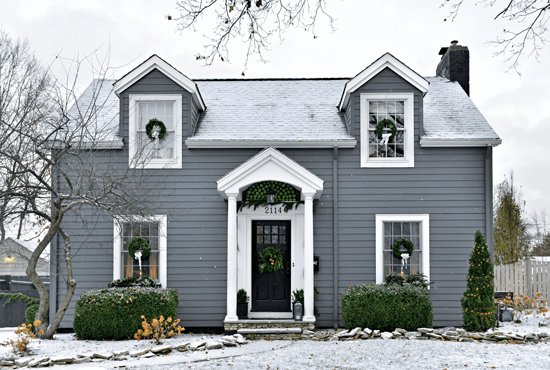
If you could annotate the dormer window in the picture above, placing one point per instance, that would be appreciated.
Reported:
(148, 152)
(390, 150)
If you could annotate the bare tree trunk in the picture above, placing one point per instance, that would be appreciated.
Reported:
(71, 287)
(44, 307)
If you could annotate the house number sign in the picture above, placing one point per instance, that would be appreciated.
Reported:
(273, 209)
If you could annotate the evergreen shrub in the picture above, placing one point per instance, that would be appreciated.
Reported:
(478, 306)
(385, 308)
(115, 313)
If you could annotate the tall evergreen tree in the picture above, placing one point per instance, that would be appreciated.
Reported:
(511, 240)
(478, 306)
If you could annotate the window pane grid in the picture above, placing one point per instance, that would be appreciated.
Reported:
(394, 231)
(163, 111)
(149, 265)
(394, 110)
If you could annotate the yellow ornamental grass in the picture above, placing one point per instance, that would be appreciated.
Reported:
(24, 335)
(159, 329)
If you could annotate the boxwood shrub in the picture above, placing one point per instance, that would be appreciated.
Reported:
(115, 313)
(385, 308)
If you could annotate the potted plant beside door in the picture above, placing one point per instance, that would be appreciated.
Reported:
(242, 304)
(298, 304)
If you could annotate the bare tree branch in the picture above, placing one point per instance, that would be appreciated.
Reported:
(255, 22)
(53, 161)
(525, 36)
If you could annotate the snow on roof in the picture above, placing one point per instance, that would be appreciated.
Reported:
(450, 115)
(293, 113)
(95, 113)
(281, 110)
(28, 245)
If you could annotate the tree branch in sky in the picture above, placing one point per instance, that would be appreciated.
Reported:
(524, 37)
(255, 22)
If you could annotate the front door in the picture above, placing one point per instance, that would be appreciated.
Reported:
(271, 291)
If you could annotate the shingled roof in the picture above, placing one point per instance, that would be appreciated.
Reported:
(295, 113)
(451, 118)
(272, 112)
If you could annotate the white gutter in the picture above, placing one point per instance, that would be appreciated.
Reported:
(439, 142)
(198, 144)
(107, 144)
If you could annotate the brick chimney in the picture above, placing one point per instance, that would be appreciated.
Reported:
(455, 65)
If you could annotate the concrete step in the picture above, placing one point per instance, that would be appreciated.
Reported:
(260, 331)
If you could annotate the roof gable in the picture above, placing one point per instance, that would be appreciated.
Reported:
(155, 62)
(385, 61)
(270, 165)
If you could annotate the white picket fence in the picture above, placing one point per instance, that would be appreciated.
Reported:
(525, 277)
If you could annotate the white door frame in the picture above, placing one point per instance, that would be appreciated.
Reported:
(244, 251)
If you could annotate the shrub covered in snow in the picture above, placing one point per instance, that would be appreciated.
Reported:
(116, 313)
(381, 307)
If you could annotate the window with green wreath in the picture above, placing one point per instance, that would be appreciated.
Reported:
(402, 245)
(148, 231)
(387, 129)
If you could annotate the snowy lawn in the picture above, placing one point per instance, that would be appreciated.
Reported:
(308, 354)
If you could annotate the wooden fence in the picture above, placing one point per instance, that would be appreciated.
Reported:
(525, 277)
(13, 314)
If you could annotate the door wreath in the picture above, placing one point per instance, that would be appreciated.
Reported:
(271, 260)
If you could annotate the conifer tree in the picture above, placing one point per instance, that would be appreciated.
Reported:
(478, 307)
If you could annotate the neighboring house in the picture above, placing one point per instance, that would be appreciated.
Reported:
(431, 184)
(15, 255)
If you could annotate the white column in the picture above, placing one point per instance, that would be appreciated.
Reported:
(308, 259)
(232, 258)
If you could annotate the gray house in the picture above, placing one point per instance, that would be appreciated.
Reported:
(344, 193)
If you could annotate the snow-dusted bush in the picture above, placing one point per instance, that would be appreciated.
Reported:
(116, 313)
(386, 308)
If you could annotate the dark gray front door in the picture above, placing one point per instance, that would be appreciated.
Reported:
(271, 291)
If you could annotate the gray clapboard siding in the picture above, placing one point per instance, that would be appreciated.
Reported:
(447, 183)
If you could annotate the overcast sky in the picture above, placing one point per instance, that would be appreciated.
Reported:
(413, 31)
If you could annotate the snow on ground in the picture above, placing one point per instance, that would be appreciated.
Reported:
(307, 354)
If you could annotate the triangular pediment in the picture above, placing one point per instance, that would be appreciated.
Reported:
(156, 62)
(385, 61)
(270, 165)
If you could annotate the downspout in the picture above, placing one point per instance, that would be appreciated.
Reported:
(53, 257)
(335, 232)
(489, 200)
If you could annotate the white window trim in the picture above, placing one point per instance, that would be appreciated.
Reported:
(424, 220)
(163, 243)
(408, 160)
(134, 99)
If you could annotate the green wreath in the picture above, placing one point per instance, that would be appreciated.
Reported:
(385, 123)
(397, 247)
(139, 244)
(271, 260)
(152, 123)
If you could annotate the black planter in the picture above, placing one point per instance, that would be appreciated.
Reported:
(242, 310)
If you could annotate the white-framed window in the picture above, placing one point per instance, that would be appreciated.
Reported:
(389, 229)
(153, 230)
(144, 151)
(398, 151)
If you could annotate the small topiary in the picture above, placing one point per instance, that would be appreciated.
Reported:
(478, 306)
(242, 297)
(115, 313)
(386, 308)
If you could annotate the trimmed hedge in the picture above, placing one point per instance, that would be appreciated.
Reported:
(115, 313)
(385, 308)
